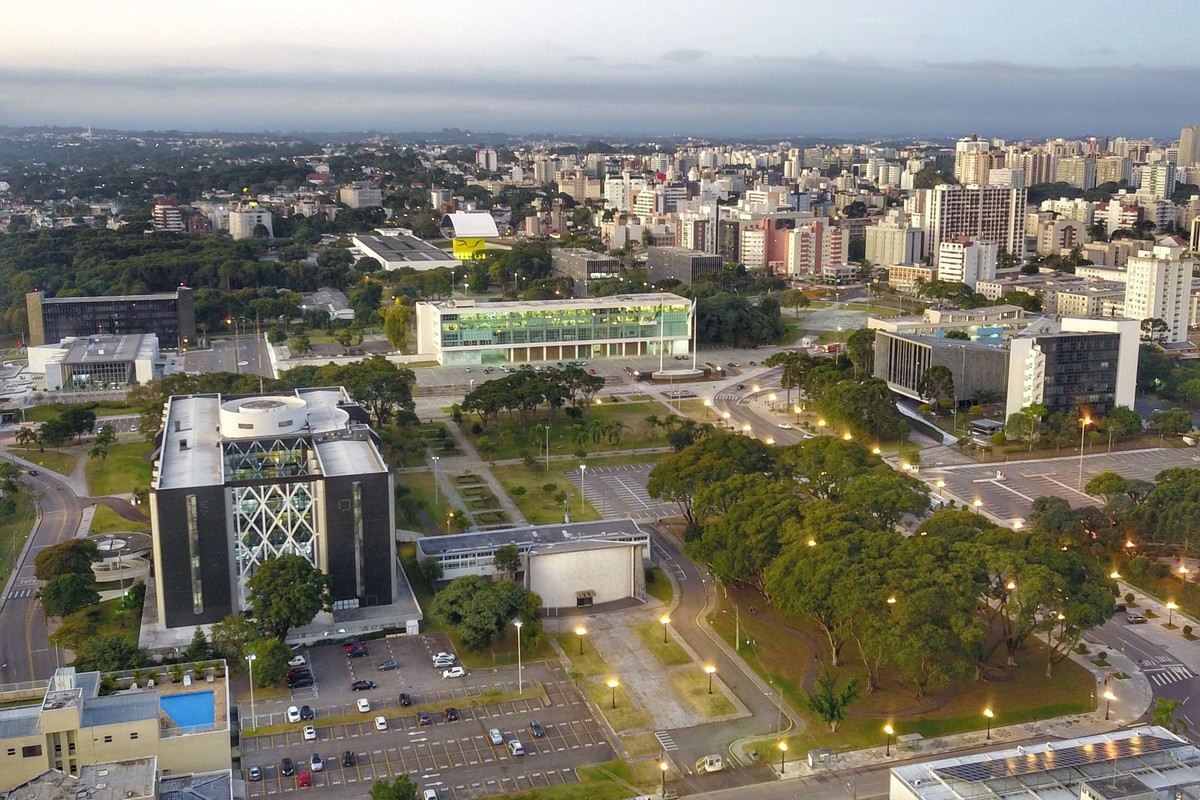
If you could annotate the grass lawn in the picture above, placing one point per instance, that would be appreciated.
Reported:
(1186, 595)
(692, 685)
(14, 531)
(668, 654)
(53, 410)
(422, 483)
(1017, 695)
(108, 521)
(121, 472)
(55, 460)
(507, 439)
(592, 673)
(107, 619)
(659, 586)
(538, 505)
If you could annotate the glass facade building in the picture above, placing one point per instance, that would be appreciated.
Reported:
(171, 316)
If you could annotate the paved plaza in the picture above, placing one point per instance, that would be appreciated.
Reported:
(621, 492)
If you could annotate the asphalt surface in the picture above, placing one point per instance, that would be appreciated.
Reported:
(247, 354)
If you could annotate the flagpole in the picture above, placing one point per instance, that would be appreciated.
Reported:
(695, 334)
(662, 324)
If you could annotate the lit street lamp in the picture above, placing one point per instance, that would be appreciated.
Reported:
(1171, 612)
(710, 669)
(662, 789)
(978, 505)
(707, 407)
(613, 683)
(520, 674)
(581, 632)
(847, 436)
(987, 712)
(782, 756)
(252, 658)
(889, 730)
(1083, 423)
(665, 620)
(582, 485)
(436, 459)
(1108, 698)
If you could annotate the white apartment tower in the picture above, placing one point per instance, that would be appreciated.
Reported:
(894, 241)
(972, 161)
(987, 213)
(1159, 286)
(486, 159)
(967, 260)
(1158, 180)
(1189, 146)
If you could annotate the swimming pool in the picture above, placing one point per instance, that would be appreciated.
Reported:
(188, 711)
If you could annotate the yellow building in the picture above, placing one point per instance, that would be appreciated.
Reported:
(70, 725)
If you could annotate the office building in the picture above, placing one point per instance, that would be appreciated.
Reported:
(166, 216)
(967, 260)
(894, 241)
(240, 480)
(70, 726)
(906, 277)
(470, 332)
(988, 213)
(981, 324)
(248, 220)
(902, 359)
(681, 264)
(361, 194)
(1143, 763)
(1189, 146)
(1077, 171)
(171, 316)
(96, 363)
(395, 249)
(583, 266)
(1158, 285)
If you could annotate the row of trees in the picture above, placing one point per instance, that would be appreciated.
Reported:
(481, 609)
(523, 392)
(1033, 425)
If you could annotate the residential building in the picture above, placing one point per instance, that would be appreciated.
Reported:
(1058, 235)
(972, 161)
(696, 228)
(96, 363)
(577, 184)
(1077, 171)
(240, 480)
(1189, 146)
(620, 190)
(1116, 214)
(967, 260)
(1194, 239)
(681, 264)
(1158, 286)
(1113, 169)
(1158, 180)
(988, 213)
(1090, 299)
(486, 159)
(467, 332)
(1077, 209)
(893, 241)
(582, 266)
(70, 727)
(906, 277)
(1141, 763)
(1006, 176)
(1045, 285)
(171, 316)
(245, 219)
(394, 249)
(361, 194)
(166, 216)
(815, 246)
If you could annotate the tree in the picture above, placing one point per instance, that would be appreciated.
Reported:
(887, 496)
(860, 347)
(936, 384)
(231, 635)
(1167, 714)
(287, 592)
(957, 335)
(831, 702)
(72, 557)
(1122, 423)
(399, 788)
(1174, 421)
(714, 458)
(66, 594)
(795, 299)
(1155, 330)
(349, 337)
(270, 661)
(1026, 424)
(110, 654)
(507, 559)
(395, 325)
(198, 650)
(481, 609)
(301, 343)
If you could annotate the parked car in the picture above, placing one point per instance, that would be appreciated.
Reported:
(287, 768)
(1135, 619)
(381, 723)
(351, 641)
(301, 683)
(388, 665)
(444, 655)
(514, 747)
(310, 733)
(304, 780)
(306, 713)
(423, 718)
(348, 758)
(405, 699)
(494, 735)
(293, 714)
(358, 652)
(363, 704)
(444, 663)
(1120, 608)
(537, 729)
(297, 661)
(254, 773)
(362, 686)
(317, 764)
(454, 672)
(429, 794)
(451, 714)
(301, 670)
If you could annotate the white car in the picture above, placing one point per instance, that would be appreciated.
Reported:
(364, 705)
(381, 723)
(293, 714)
(297, 661)
(444, 656)
(787, 426)
(429, 794)
(454, 672)
(494, 735)
(310, 733)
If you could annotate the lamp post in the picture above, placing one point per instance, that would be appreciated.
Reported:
(251, 659)
(987, 712)
(782, 756)
(707, 407)
(725, 418)
(436, 459)
(1108, 698)
(547, 427)
(1171, 606)
(665, 620)
(582, 485)
(710, 669)
(887, 750)
(613, 683)
(847, 436)
(1083, 423)
(662, 787)
(978, 505)
(581, 632)
(520, 674)
(746, 429)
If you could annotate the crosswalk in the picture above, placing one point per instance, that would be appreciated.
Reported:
(1162, 670)
(19, 593)
(664, 738)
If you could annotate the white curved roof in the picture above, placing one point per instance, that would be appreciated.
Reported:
(464, 223)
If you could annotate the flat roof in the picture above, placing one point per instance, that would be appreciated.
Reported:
(111, 780)
(403, 249)
(581, 252)
(132, 298)
(528, 536)
(20, 721)
(196, 786)
(115, 709)
(567, 303)
(941, 341)
(192, 419)
(349, 457)
(108, 349)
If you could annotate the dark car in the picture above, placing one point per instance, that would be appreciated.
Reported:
(405, 699)
(348, 758)
(740, 386)
(33, 472)
(362, 686)
(301, 683)
(451, 714)
(306, 713)
(353, 641)
(298, 671)
(388, 665)
(1120, 607)
(358, 652)
(423, 718)
(537, 729)
(287, 768)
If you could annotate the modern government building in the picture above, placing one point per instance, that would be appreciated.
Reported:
(171, 316)
(471, 332)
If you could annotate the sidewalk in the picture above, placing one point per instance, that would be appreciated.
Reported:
(1156, 631)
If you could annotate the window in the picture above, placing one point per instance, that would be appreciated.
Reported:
(108, 740)
(133, 735)
(12, 751)
(194, 554)
(31, 751)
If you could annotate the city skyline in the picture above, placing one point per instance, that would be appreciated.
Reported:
(770, 68)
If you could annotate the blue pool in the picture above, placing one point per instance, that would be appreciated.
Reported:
(188, 711)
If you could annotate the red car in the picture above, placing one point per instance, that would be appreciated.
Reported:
(304, 779)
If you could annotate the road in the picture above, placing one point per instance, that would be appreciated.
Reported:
(246, 353)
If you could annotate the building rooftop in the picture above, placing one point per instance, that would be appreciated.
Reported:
(198, 786)
(109, 348)
(113, 780)
(113, 298)
(580, 252)
(115, 709)
(529, 536)
(20, 721)
(473, 224)
(402, 248)
(189, 422)
(564, 304)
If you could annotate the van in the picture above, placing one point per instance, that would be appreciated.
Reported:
(515, 747)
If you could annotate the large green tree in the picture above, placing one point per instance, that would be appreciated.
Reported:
(270, 661)
(71, 557)
(679, 476)
(287, 592)
(482, 610)
(399, 788)
(110, 654)
(67, 593)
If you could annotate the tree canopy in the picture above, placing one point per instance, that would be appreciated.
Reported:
(287, 592)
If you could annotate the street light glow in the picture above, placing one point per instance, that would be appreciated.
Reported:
(1114, 575)
(812, 542)
(847, 436)
(875, 451)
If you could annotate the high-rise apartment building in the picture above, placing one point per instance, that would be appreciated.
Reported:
(1158, 180)
(486, 159)
(814, 246)
(972, 161)
(1077, 171)
(1159, 285)
(244, 221)
(894, 241)
(1189, 146)
(167, 217)
(1113, 169)
(966, 260)
(987, 213)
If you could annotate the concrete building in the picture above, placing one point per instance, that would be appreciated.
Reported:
(1158, 180)
(361, 194)
(967, 260)
(166, 216)
(245, 218)
(240, 480)
(486, 159)
(570, 565)
(902, 360)
(1159, 286)
(469, 232)
(905, 277)
(815, 247)
(583, 266)
(1087, 300)
(1143, 763)
(332, 301)
(1189, 146)
(171, 316)
(97, 363)
(1043, 285)
(986, 323)
(1113, 169)
(467, 332)
(70, 727)
(1077, 171)
(681, 264)
(988, 213)
(1055, 236)
(395, 249)
(894, 242)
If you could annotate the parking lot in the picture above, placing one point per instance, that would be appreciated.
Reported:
(621, 492)
(455, 758)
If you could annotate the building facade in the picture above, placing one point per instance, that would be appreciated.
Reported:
(1158, 285)
(967, 260)
(582, 266)
(1088, 367)
(681, 264)
(96, 363)
(244, 220)
(902, 360)
(989, 213)
(468, 332)
(244, 479)
(361, 195)
(171, 316)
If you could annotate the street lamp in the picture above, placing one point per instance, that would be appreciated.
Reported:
(887, 750)
(987, 712)
(251, 659)
(978, 504)
(710, 669)
(436, 459)
(1183, 572)
(725, 418)
(547, 427)
(746, 429)
(520, 675)
(821, 423)
(581, 632)
(613, 683)
(1114, 575)
(662, 789)
(665, 620)
(582, 485)
(1171, 612)
(707, 407)
(875, 451)
(847, 436)
(1083, 423)
(782, 756)
(1108, 698)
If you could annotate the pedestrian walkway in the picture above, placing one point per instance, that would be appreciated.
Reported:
(1155, 630)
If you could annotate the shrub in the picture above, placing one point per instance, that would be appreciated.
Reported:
(1102, 656)
(1129, 597)
(549, 488)
(476, 429)
(1187, 630)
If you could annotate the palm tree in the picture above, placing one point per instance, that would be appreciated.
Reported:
(652, 422)
(580, 435)
(598, 429)
(615, 429)
(27, 436)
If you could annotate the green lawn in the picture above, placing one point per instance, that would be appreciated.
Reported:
(53, 410)
(106, 520)
(123, 471)
(692, 685)
(103, 619)
(658, 586)
(14, 531)
(54, 460)
(668, 653)
(504, 439)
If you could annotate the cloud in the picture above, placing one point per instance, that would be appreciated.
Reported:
(684, 55)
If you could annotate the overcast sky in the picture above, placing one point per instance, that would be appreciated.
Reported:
(752, 67)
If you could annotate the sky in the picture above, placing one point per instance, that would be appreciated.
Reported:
(866, 68)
